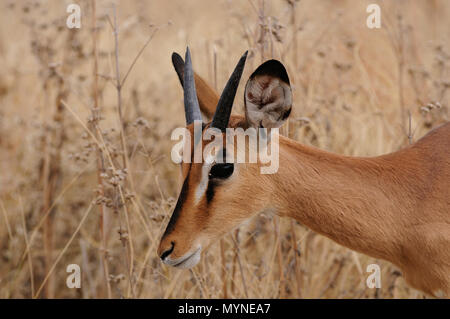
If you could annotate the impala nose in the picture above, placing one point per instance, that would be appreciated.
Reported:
(167, 252)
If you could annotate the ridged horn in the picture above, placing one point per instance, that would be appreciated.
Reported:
(225, 104)
(191, 106)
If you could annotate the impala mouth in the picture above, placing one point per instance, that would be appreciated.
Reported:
(186, 261)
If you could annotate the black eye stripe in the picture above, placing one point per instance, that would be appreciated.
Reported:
(178, 206)
(210, 190)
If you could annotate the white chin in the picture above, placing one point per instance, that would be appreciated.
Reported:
(187, 261)
(191, 261)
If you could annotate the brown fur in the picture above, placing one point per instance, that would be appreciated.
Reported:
(395, 207)
(208, 98)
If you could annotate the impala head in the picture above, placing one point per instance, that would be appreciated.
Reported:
(217, 197)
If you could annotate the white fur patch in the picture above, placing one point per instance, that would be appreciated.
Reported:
(201, 187)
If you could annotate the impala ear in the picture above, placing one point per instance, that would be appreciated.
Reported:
(268, 96)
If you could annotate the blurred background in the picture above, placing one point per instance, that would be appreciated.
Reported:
(85, 171)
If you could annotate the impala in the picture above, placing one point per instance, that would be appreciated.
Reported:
(394, 207)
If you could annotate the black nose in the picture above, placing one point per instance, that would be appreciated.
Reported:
(168, 251)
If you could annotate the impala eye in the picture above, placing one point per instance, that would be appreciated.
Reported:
(222, 170)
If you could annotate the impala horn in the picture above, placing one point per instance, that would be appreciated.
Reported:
(191, 106)
(225, 104)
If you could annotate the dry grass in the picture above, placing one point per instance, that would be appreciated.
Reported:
(86, 175)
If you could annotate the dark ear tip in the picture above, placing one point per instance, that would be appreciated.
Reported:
(175, 55)
(177, 60)
(274, 68)
(178, 64)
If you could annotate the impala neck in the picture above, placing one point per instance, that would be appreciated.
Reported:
(346, 199)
